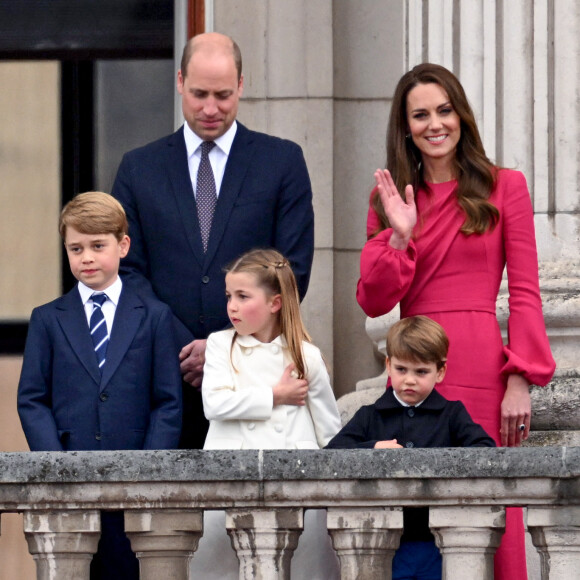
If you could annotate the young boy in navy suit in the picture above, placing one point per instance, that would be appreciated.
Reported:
(412, 414)
(101, 369)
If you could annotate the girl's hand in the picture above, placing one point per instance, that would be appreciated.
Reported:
(516, 410)
(290, 390)
(389, 444)
(402, 215)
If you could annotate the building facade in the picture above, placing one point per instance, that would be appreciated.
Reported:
(322, 73)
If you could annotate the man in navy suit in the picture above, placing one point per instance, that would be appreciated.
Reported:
(264, 199)
(120, 392)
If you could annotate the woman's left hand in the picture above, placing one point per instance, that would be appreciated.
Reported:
(516, 410)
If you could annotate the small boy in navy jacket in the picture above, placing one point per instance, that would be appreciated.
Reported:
(101, 369)
(412, 414)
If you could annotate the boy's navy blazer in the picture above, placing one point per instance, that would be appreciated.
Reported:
(265, 200)
(437, 422)
(65, 404)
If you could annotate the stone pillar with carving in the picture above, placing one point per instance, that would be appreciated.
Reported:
(365, 540)
(265, 540)
(62, 543)
(555, 532)
(164, 541)
(467, 538)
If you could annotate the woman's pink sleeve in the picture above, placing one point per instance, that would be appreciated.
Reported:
(373, 221)
(385, 273)
(528, 350)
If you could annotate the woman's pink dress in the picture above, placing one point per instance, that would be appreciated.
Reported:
(454, 279)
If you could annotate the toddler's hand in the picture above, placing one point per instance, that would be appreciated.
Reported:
(390, 444)
(290, 390)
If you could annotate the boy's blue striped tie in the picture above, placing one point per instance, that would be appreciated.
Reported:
(98, 327)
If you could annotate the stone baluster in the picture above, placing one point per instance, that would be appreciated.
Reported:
(62, 543)
(265, 540)
(365, 540)
(467, 537)
(555, 532)
(164, 541)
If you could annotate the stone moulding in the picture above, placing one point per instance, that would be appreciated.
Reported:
(169, 479)
(164, 493)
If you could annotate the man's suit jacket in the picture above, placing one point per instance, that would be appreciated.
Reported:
(265, 200)
(66, 404)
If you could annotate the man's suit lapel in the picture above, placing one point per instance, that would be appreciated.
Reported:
(180, 180)
(128, 318)
(236, 168)
(73, 321)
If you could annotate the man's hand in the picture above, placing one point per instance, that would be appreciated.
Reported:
(192, 359)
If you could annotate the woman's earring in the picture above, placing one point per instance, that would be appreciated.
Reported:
(408, 135)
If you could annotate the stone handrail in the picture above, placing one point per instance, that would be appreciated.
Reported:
(264, 494)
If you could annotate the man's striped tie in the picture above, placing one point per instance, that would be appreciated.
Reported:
(98, 327)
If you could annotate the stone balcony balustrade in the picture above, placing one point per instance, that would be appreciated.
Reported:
(265, 493)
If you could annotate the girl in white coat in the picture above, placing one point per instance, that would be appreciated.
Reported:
(266, 386)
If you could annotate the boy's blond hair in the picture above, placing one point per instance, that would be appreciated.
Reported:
(418, 339)
(94, 212)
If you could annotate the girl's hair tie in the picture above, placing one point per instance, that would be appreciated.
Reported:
(277, 265)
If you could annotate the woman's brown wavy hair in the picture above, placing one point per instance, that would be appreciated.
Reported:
(475, 173)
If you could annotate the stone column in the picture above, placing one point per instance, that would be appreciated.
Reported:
(62, 543)
(365, 540)
(265, 540)
(164, 541)
(287, 50)
(467, 537)
(555, 532)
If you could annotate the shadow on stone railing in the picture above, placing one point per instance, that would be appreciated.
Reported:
(164, 494)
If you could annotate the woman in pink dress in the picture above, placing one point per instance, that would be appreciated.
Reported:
(442, 225)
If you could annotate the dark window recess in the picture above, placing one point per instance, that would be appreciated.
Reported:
(91, 29)
(77, 135)
(12, 337)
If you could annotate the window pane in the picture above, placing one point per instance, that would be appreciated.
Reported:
(133, 106)
(29, 186)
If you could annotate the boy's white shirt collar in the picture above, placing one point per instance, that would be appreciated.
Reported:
(407, 404)
(113, 291)
(193, 141)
